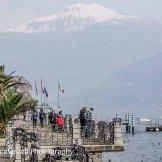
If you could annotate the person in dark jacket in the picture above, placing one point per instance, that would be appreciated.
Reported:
(41, 117)
(52, 120)
(60, 113)
(82, 117)
(51, 115)
(89, 117)
(34, 118)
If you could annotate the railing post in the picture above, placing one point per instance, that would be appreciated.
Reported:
(67, 122)
(96, 128)
(118, 140)
(76, 133)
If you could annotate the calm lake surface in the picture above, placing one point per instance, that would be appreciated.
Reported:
(143, 146)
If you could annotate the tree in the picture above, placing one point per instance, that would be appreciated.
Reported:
(13, 104)
(15, 96)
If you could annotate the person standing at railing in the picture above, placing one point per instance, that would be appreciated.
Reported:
(41, 117)
(34, 118)
(82, 117)
(51, 115)
(60, 122)
(60, 113)
(89, 117)
(52, 120)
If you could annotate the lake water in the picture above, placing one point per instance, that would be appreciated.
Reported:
(146, 147)
(143, 146)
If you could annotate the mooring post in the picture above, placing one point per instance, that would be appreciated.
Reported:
(133, 124)
(127, 125)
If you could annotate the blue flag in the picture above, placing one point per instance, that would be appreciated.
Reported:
(45, 92)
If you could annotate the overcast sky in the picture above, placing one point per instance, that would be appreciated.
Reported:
(13, 12)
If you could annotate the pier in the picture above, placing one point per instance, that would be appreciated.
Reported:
(105, 137)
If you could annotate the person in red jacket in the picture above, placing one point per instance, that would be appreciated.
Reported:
(60, 122)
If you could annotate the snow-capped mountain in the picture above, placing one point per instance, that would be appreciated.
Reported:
(73, 18)
(106, 42)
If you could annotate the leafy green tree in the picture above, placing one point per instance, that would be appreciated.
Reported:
(15, 96)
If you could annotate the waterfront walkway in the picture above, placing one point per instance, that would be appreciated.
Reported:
(106, 137)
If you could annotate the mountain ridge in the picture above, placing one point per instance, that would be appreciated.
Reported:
(73, 18)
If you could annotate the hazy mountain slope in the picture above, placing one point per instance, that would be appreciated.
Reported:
(133, 86)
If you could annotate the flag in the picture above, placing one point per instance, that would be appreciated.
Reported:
(61, 89)
(42, 86)
(45, 91)
(36, 89)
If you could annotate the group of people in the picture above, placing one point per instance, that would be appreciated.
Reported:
(86, 118)
(55, 119)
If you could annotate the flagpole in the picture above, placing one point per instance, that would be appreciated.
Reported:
(41, 91)
(35, 91)
(46, 96)
(58, 97)
(44, 99)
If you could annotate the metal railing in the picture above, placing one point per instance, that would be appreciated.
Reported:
(98, 133)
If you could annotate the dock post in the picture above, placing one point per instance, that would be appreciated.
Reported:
(127, 125)
(76, 133)
(118, 139)
(133, 124)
